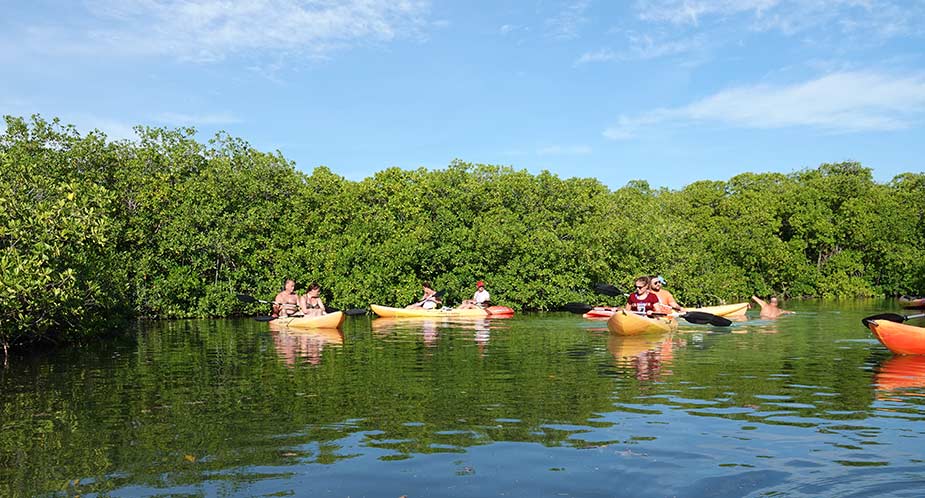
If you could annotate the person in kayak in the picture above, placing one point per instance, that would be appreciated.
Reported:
(429, 300)
(310, 303)
(667, 302)
(643, 300)
(770, 309)
(481, 298)
(286, 303)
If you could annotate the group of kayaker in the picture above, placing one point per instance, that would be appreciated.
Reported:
(289, 303)
(651, 298)
(431, 298)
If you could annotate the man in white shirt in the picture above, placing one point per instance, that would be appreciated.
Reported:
(481, 298)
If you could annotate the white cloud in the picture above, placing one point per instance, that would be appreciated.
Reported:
(691, 11)
(841, 102)
(564, 150)
(644, 47)
(602, 55)
(876, 18)
(209, 30)
(566, 24)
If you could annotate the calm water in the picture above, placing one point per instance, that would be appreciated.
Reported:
(538, 405)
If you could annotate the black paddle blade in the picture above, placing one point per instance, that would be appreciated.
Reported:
(892, 317)
(265, 318)
(355, 312)
(701, 318)
(246, 299)
(607, 290)
(577, 308)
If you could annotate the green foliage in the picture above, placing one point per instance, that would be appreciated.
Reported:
(169, 227)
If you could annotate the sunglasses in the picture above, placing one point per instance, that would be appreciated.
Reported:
(640, 286)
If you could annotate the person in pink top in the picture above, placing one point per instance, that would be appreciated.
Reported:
(643, 300)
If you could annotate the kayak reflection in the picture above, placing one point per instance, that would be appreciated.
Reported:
(303, 345)
(901, 372)
(430, 328)
(648, 355)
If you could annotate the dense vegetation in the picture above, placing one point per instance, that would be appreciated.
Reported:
(164, 226)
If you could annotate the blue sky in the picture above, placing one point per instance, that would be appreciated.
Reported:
(667, 91)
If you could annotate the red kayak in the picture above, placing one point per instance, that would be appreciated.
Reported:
(499, 311)
(601, 312)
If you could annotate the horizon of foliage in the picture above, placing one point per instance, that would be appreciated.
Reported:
(95, 232)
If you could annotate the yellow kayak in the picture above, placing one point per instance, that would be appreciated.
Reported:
(329, 321)
(727, 310)
(629, 323)
(388, 312)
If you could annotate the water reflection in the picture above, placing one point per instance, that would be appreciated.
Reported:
(210, 408)
(429, 328)
(898, 373)
(648, 355)
(307, 346)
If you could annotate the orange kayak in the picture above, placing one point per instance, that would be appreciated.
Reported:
(899, 337)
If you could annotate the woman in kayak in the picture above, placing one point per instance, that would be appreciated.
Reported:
(481, 298)
(642, 301)
(429, 300)
(310, 303)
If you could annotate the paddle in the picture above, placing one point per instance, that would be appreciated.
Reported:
(251, 299)
(436, 295)
(702, 318)
(577, 308)
(608, 290)
(891, 317)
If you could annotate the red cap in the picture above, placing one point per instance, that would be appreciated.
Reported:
(480, 284)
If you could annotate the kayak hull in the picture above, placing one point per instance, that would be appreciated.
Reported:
(899, 337)
(627, 323)
(328, 321)
(389, 312)
(499, 311)
(912, 302)
(726, 310)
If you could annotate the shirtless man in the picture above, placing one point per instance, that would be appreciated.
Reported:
(287, 301)
(770, 310)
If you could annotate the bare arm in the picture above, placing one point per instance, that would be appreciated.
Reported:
(759, 301)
